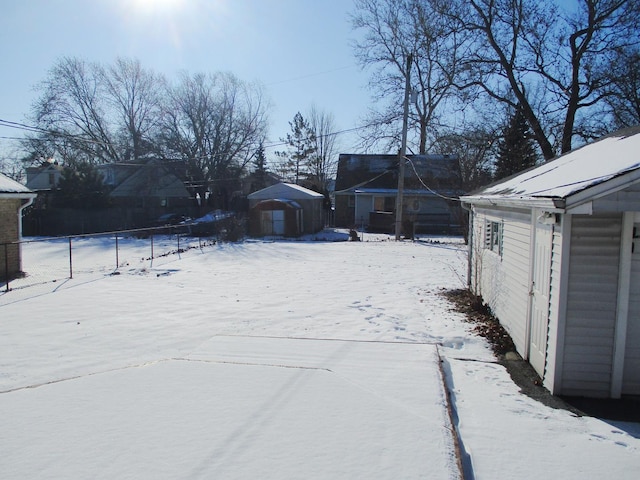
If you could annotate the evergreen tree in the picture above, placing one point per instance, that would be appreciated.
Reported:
(81, 187)
(516, 149)
(260, 169)
(301, 149)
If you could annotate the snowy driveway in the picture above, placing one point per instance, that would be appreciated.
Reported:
(240, 407)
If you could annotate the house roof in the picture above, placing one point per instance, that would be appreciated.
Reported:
(11, 187)
(358, 171)
(576, 175)
(149, 180)
(287, 191)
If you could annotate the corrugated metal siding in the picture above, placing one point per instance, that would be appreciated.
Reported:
(591, 304)
(505, 281)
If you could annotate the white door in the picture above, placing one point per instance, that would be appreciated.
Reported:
(272, 222)
(631, 372)
(540, 297)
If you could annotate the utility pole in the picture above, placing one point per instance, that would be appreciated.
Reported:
(403, 149)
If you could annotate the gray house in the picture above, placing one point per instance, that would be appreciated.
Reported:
(14, 197)
(555, 252)
(367, 186)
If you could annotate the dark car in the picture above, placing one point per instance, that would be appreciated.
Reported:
(171, 219)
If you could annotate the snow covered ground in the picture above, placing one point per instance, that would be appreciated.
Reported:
(271, 359)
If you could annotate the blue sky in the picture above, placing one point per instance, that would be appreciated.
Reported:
(298, 49)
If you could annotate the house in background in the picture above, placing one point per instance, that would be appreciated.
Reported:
(45, 177)
(555, 253)
(367, 186)
(14, 198)
(285, 209)
(151, 186)
(43, 180)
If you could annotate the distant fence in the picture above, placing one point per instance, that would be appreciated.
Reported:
(52, 259)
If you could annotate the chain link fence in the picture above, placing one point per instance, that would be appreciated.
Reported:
(51, 260)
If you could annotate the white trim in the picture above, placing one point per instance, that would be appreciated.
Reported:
(527, 327)
(583, 209)
(547, 204)
(555, 353)
(16, 195)
(622, 310)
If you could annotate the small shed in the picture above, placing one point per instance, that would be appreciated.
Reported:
(285, 209)
(14, 197)
(555, 253)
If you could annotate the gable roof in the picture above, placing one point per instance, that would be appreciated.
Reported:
(364, 172)
(287, 191)
(573, 177)
(10, 187)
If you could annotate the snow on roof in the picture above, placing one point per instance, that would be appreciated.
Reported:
(575, 171)
(7, 185)
(284, 190)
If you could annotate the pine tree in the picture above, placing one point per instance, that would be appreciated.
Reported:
(260, 169)
(301, 143)
(81, 187)
(516, 149)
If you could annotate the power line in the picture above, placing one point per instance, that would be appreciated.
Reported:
(33, 129)
(426, 186)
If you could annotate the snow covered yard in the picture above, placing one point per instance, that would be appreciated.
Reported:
(300, 359)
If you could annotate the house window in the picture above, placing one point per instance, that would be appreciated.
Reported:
(413, 204)
(493, 237)
(383, 204)
(351, 202)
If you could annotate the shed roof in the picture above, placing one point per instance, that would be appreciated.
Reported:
(10, 186)
(570, 174)
(288, 191)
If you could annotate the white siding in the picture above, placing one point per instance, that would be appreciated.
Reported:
(591, 305)
(503, 281)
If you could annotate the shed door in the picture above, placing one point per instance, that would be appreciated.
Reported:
(631, 371)
(272, 222)
(540, 297)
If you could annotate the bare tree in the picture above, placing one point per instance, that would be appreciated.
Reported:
(394, 29)
(624, 101)
(475, 147)
(552, 61)
(91, 114)
(134, 95)
(324, 162)
(214, 124)
(71, 113)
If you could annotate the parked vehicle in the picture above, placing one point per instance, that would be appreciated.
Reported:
(171, 219)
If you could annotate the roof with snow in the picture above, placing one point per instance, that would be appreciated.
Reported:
(7, 185)
(288, 191)
(573, 173)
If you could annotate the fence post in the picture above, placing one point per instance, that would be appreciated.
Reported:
(70, 260)
(117, 257)
(152, 248)
(6, 265)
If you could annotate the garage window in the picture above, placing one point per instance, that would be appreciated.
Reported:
(493, 236)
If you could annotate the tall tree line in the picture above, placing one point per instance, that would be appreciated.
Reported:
(568, 67)
(87, 113)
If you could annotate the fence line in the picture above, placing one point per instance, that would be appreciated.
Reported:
(144, 246)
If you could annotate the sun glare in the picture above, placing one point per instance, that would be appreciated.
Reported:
(157, 6)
